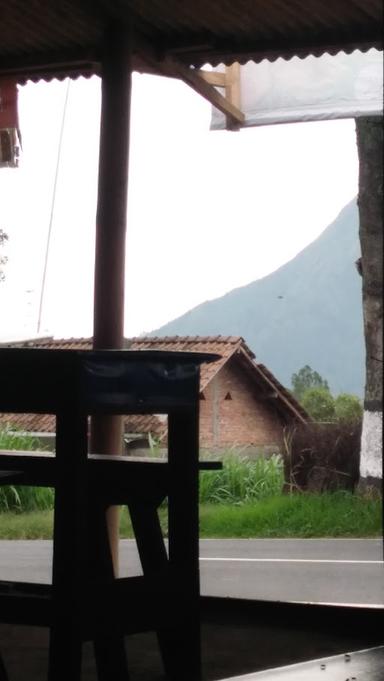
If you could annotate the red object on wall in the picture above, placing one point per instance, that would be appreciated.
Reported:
(9, 125)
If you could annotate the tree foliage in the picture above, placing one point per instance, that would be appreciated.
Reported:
(319, 404)
(348, 408)
(3, 258)
(305, 380)
(323, 407)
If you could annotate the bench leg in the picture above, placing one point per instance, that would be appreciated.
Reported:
(111, 660)
(183, 536)
(110, 654)
(154, 559)
(3, 671)
(65, 648)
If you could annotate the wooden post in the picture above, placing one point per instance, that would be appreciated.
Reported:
(107, 431)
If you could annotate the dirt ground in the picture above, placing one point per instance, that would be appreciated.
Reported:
(237, 638)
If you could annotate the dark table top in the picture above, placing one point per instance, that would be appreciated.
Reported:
(35, 380)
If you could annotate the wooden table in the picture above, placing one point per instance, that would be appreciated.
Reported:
(85, 600)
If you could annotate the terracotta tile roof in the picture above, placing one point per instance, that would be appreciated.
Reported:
(46, 423)
(222, 345)
(61, 38)
(285, 394)
(226, 346)
(145, 423)
(30, 423)
(50, 343)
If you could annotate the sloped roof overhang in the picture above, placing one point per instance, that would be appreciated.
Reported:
(62, 38)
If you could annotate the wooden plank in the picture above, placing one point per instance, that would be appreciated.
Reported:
(232, 84)
(215, 78)
(28, 468)
(232, 91)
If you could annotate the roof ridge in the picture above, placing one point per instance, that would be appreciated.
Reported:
(191, 339)
(219, 338)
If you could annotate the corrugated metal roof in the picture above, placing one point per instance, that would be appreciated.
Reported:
(63, 37)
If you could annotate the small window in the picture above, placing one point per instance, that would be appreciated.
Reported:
(228, 396)
(201, 396)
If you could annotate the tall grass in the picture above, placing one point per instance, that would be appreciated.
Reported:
(242, 480)
(20, 497)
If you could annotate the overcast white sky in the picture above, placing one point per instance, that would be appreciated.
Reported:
(207, 211)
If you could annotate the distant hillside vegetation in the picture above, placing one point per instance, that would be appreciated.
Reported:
(317, 320)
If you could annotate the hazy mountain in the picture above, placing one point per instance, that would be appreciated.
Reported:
(309, 311)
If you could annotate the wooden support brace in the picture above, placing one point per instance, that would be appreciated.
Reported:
(203, 82)
(195, 80)
(229, 80)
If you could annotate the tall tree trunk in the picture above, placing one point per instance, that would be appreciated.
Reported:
(370, 147)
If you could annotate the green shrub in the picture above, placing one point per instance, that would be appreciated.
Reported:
(20, 497)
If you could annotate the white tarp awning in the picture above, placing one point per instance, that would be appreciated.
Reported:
(311, 89)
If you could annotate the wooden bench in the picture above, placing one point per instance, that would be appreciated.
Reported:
(85, 600)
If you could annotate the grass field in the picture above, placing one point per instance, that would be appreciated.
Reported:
(244, 499)
(328, 515)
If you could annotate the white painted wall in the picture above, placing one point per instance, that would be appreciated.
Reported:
(371, 457)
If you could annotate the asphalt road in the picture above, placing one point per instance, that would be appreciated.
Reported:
(315, 570)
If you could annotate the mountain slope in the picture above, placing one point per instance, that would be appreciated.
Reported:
(309, 311)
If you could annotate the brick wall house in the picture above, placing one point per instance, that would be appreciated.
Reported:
(233, 415)
(242, 405)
